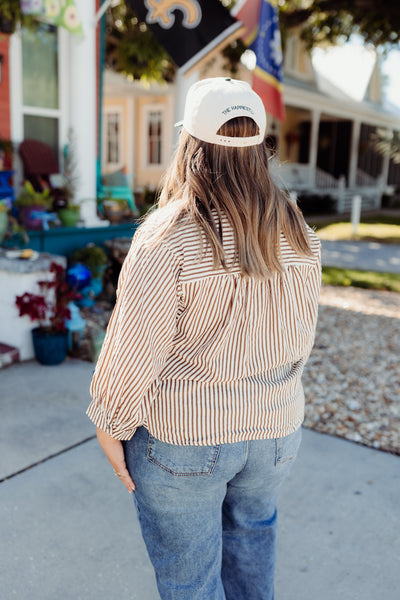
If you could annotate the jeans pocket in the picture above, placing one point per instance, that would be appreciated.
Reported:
(286, 448)
(182, 461)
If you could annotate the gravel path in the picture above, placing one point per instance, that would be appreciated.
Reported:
(352, 379)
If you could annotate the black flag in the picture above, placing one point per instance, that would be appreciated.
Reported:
(188, 29)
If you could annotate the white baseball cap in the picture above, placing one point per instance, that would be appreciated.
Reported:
(212, 102)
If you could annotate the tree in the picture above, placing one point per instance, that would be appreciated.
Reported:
(133, 49)
(387, 143)
(11, 15)
(330, 21)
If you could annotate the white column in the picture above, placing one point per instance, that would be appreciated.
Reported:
(316, 116)
(183, 83)
(355, 140)
(82, 110)
(16, 104)
(386, 163)
(129, 139)
(170, 130)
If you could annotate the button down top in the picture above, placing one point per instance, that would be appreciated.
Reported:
(200, 355)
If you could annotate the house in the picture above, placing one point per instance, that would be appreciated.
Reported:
(326, 138)
(138, 132)
(323, 146)
(48, 86)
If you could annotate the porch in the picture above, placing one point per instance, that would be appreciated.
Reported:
(328, 148)
(303, 179)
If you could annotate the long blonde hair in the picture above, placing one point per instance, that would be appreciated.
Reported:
(235, 183)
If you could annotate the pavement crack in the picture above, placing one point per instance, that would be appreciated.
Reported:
(43, 460)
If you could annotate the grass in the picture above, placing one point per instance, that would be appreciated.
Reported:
(383, 229)
(362, 279)
(378, 228)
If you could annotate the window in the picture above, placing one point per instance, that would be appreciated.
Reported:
(154, 137)
(40, 85)
(291, 53)
(40, 67)
(113, 134)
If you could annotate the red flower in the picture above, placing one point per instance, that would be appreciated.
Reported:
(53, 311)
(33, 306)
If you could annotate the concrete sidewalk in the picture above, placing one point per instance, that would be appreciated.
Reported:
(366, 256)
(69, 529)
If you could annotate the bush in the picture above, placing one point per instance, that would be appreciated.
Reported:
(316, 205)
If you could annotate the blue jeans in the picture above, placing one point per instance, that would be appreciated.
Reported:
(208, 514)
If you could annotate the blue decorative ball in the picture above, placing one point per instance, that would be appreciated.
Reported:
(78, 276)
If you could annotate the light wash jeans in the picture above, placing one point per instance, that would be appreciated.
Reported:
(208, 514)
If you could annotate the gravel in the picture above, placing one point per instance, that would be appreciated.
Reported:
(352, 379)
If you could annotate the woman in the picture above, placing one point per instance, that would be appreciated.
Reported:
(197, 395)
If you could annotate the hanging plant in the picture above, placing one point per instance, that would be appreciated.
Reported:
(133, 49)
(11, 15)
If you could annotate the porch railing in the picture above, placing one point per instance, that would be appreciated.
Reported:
(301, 178)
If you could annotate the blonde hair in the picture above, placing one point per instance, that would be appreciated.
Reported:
(235, 183)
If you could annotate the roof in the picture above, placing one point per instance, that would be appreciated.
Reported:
(116, 84)
(322, 94)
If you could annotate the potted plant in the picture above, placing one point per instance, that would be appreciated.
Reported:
(3, 219)
(69, 215)
(68, 210)
(116, 209)
(12, 233)
(30, 201)
(50, 338)
(95, 259)
(11, 14)
(6, 154)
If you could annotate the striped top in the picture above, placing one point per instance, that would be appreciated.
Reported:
(202, 356)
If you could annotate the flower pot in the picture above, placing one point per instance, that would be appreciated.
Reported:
(68, 216)
(115, 211)
(28, 221)
(90, 292)
(50, 348)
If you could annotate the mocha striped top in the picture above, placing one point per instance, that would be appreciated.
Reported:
(204, 356)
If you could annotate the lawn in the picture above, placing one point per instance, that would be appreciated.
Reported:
(362, 279)
(384, 229)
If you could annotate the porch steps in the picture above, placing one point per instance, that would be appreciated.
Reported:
(8, 355)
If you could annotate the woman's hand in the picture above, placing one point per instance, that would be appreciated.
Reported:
(115, 453)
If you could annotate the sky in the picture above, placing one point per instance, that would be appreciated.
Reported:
(349, 67)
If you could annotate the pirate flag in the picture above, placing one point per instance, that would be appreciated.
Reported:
(188, 29)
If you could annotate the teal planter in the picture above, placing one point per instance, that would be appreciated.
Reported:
(65, 240)
(50, 348)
